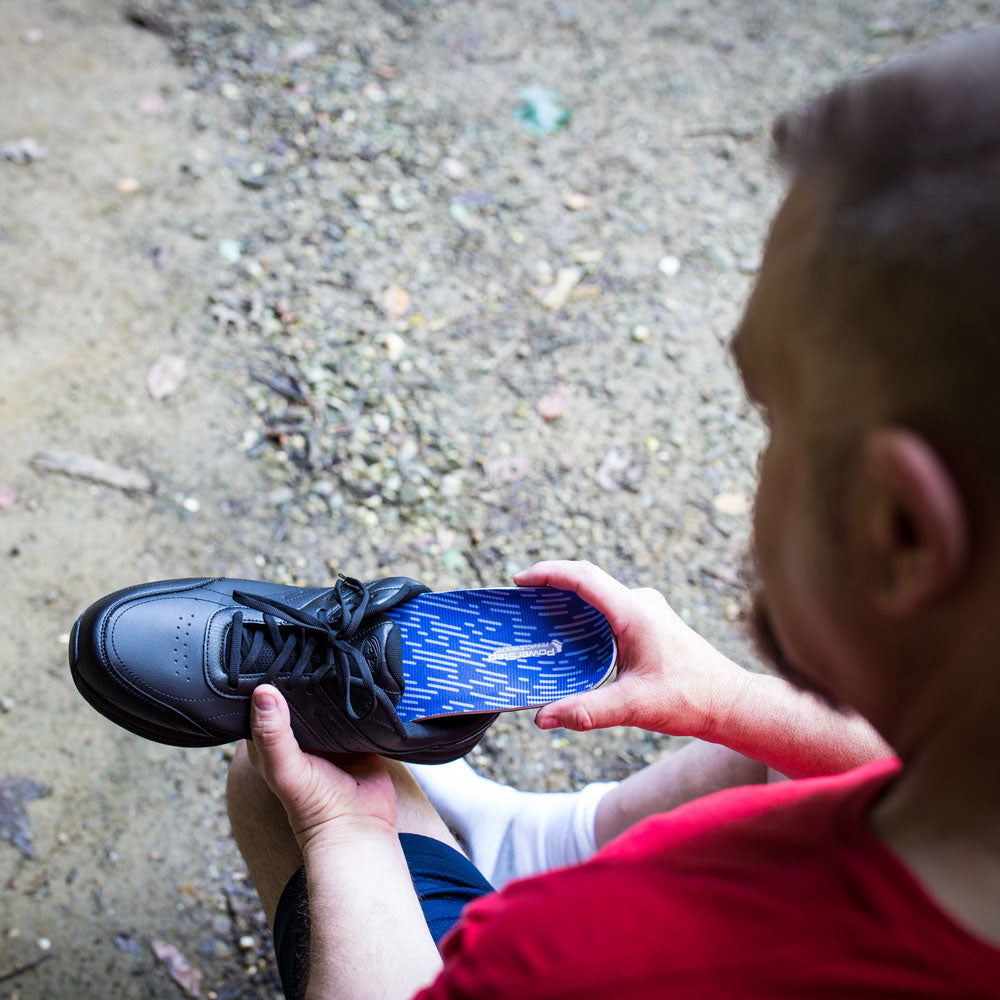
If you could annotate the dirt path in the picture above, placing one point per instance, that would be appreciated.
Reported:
(338, 196)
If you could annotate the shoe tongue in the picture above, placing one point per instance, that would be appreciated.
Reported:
(380, 644)
(382, 648)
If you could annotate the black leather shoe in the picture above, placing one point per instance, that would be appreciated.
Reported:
(176, 662)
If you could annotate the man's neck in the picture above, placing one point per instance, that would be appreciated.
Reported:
(941, 818)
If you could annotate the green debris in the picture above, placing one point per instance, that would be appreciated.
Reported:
(540, 111)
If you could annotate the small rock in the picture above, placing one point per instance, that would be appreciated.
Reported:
(558, 295)
(395, 346)
(395, 301)
(151, 104)
(230, 91)
(669, 265)
(733, 504)
(128, 185)
(574, 201)
(247, 942)
(640, 333)
(33, 36)
(165, 375)
(7, 704)
(452, 484)
(399, 197)
(543, 273)
(23, 150)
(191, 504)
(883, 27)
(553, 405)
(230, 250)
(299, 51)
(8, 496)
(453, 169)
(508, 469)
(281, 496)
(44, 943)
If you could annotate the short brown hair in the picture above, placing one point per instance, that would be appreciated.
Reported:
(906, 269)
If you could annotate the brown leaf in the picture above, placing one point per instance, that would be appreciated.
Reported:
(180, 970)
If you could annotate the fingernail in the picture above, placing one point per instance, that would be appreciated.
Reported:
(264, 701)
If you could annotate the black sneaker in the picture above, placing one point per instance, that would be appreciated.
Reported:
(176, 662)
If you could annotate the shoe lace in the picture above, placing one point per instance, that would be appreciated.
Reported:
(309, 648)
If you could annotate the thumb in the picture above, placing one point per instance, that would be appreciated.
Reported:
(592, 710)
(271, 729)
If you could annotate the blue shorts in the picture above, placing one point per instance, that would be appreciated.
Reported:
(445, 880)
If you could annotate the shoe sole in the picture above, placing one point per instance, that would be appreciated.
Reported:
(499, 650)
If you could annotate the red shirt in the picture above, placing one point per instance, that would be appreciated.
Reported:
(772, 891)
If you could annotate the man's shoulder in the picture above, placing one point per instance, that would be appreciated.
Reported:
(809, 811)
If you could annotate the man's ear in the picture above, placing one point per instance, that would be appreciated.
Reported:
(917, 522)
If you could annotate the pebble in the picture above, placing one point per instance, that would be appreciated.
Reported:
(640, 333)
(669, 265)
(128, 185)
(395, 346)
(575, 201)
(558, 295)
(7, 704)
(733, 504)
(395, 301)
(44, 943)
(22, 151)
(230, 91)
(247, 942)
(453, 169)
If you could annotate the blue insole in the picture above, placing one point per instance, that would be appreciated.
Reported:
(498, 650)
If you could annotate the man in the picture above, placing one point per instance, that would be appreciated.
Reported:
(871, 345)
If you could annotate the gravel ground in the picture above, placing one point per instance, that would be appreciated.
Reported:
(417, 338)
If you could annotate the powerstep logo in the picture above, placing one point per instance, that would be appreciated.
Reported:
(523, 652)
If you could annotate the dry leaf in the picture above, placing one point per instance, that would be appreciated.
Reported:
(165, 375)
(180, 970)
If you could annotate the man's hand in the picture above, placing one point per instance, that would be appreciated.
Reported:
(323, 801)
(670, 680)
(368, 937)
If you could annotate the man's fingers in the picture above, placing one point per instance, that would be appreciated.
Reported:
(278, 753)
(597, 588)
(582, 712)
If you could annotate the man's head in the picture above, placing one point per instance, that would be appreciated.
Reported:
(872, 341)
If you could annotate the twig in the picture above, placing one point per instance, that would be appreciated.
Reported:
(19, 970)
